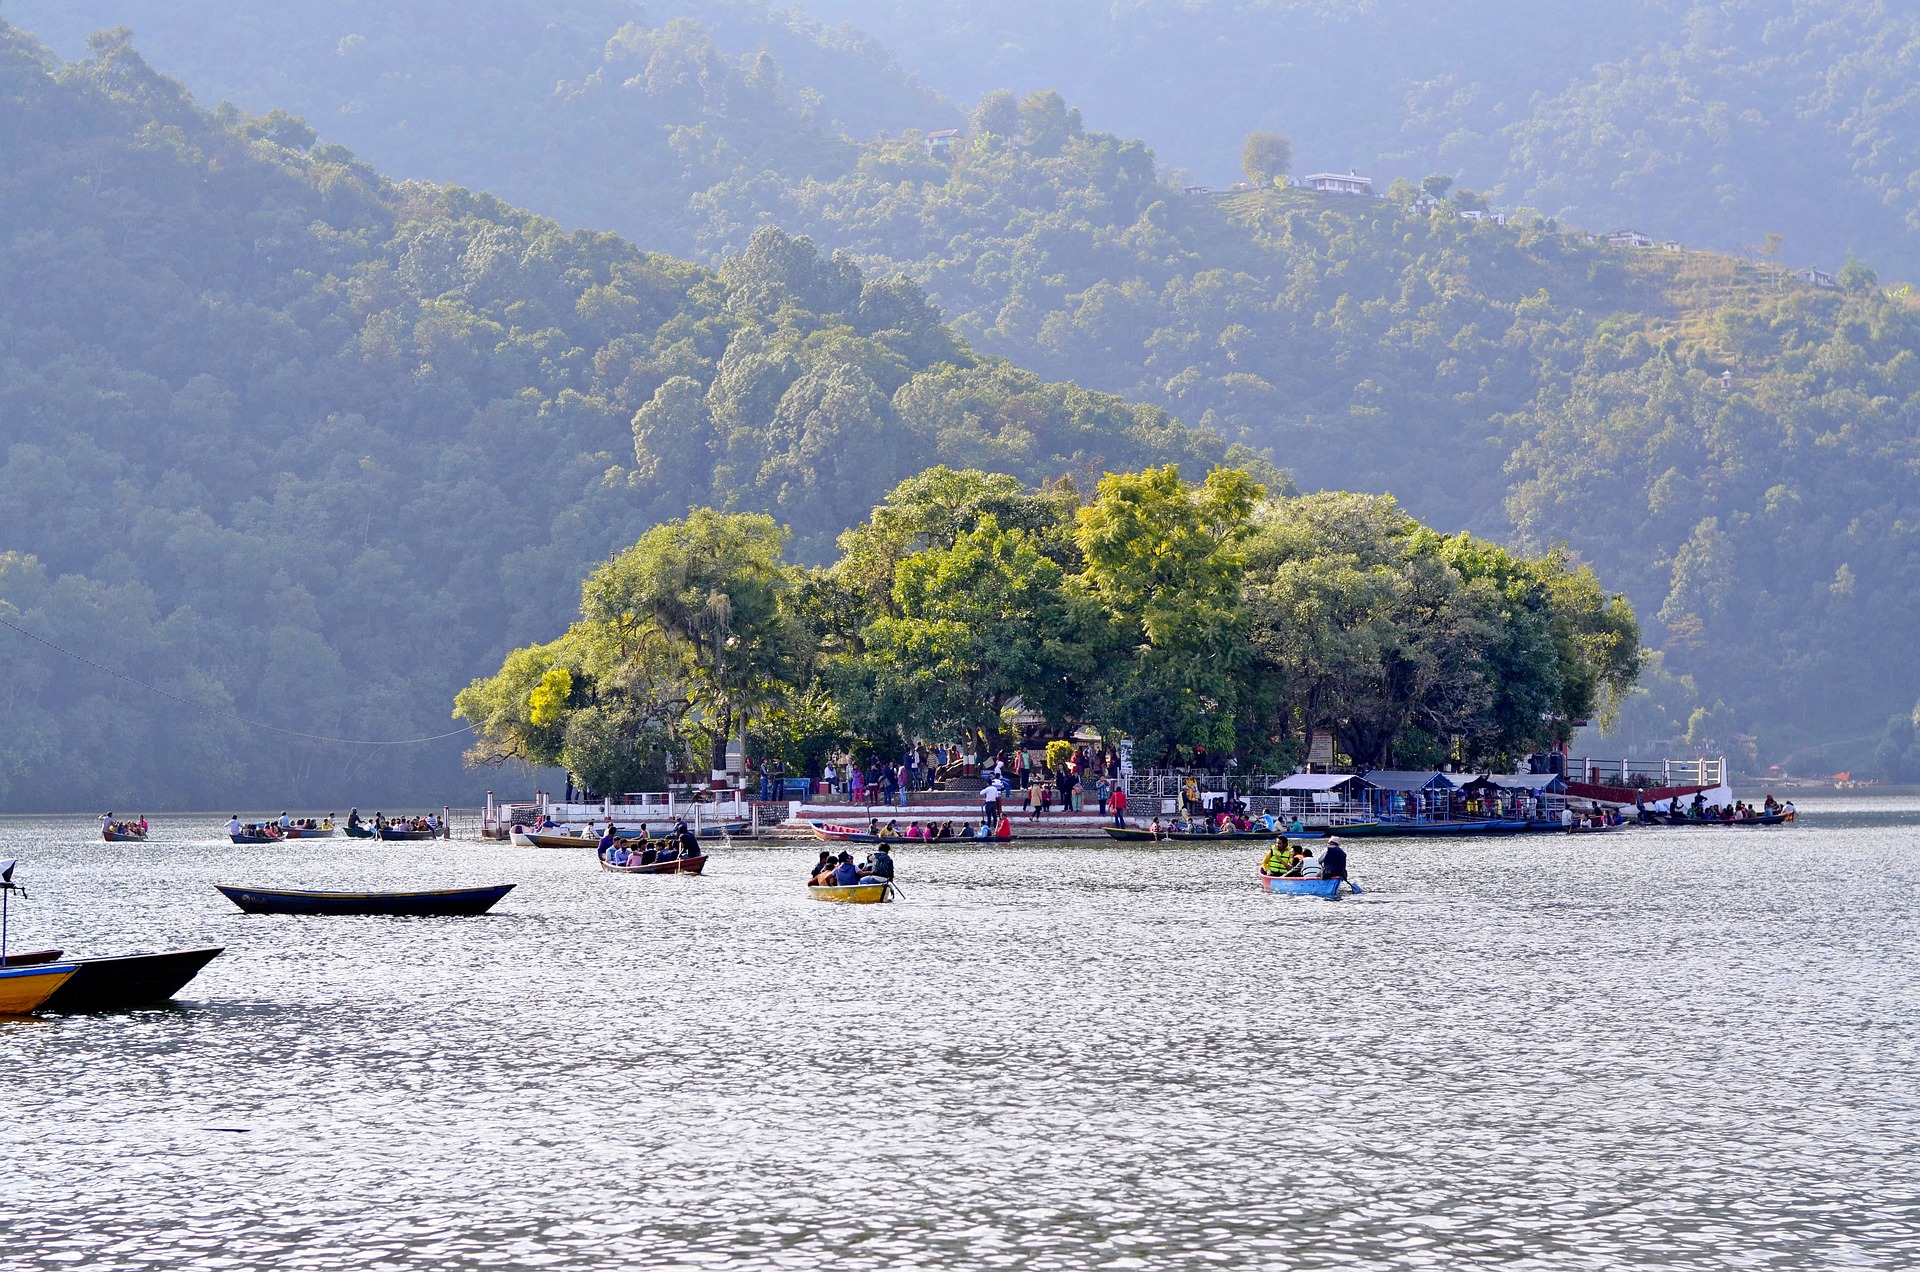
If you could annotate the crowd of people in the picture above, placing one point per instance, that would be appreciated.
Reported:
(1738, 811)
(1296, 861)
(280, 827)
(942, 830)
(678, 844)
(841, 871)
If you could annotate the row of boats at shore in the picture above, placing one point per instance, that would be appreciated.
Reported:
(286, 828)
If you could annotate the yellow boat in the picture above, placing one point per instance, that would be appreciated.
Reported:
(852, 893)
(24, 988)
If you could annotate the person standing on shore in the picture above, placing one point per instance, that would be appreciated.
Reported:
(1118, 802)
(1035, 793)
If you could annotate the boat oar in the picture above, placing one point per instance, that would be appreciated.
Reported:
(1357, 889)
(896, 890)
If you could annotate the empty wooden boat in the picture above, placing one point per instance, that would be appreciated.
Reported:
(129, 980)
(445, 902)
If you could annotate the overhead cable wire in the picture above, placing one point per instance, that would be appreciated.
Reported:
(226, 715)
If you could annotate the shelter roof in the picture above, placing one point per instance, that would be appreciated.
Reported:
(1315, 781)
(1402, 780)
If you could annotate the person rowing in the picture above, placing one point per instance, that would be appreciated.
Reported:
(1333, 861)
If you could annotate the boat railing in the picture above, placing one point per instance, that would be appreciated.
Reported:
(1694, 771)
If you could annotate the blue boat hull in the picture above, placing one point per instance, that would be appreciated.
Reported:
(1326, 889)
(457, 901)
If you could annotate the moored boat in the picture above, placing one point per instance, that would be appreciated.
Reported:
(128, 980)
(540, 839)
(1130, 834)
(1293, 885)
(852, 893)
(25, 989)
(1414, 830)
(679, 865)
(841, 835)
(445, 902)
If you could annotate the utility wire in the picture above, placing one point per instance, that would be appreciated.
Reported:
(225, 715)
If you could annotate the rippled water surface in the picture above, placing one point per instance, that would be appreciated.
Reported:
(1668, 1048)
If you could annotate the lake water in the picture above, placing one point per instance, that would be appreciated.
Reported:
(1676, 1049)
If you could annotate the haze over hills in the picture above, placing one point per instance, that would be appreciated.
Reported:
(1728, 439)
(290, 441)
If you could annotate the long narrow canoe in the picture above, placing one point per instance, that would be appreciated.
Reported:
(30, 957)
(122, 836)
(1130, 834)
(1414, 830)
(837, 835)
(396, 832)
(1264, 836)
(679, 865)
(1297, 887)
(851, 893)
(448, 902)
(129, 980)
(24, 989)
(358, 832)
(249, 837)
(308, 832)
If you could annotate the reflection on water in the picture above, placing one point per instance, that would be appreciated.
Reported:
(1689, 1048)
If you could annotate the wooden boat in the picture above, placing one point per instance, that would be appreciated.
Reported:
(358, 832)
(253, 837)
(1263, 836)
(309, 832)
(1762, 819)
(24, 989)
(1413, 830)
(532, 839)
(32, 957)
(1130, 834)
(679, 865)
(122, 836)
(402, 833)
(1298, 887)
(447, 902)
(840, 835)
(852, 893)
(129, 980)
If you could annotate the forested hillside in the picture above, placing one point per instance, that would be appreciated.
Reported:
(1713, 122)
(602, 114)
(1727, 437)
(289, 440)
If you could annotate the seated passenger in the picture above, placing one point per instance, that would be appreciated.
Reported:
(915, 832)
(1277, 859)
(1005, 829)
(1308, 867)
(821, 868)
(845, 872)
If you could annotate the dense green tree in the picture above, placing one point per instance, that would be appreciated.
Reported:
(1266, 158)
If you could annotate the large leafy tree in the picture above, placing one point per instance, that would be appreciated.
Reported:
(714, 585)
(1164, 560)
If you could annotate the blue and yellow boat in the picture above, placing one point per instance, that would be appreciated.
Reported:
(23, 989)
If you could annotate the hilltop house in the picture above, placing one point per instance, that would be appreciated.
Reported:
(939, 143)
(1338, 183)
(1820, 278)
(1629, 238)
